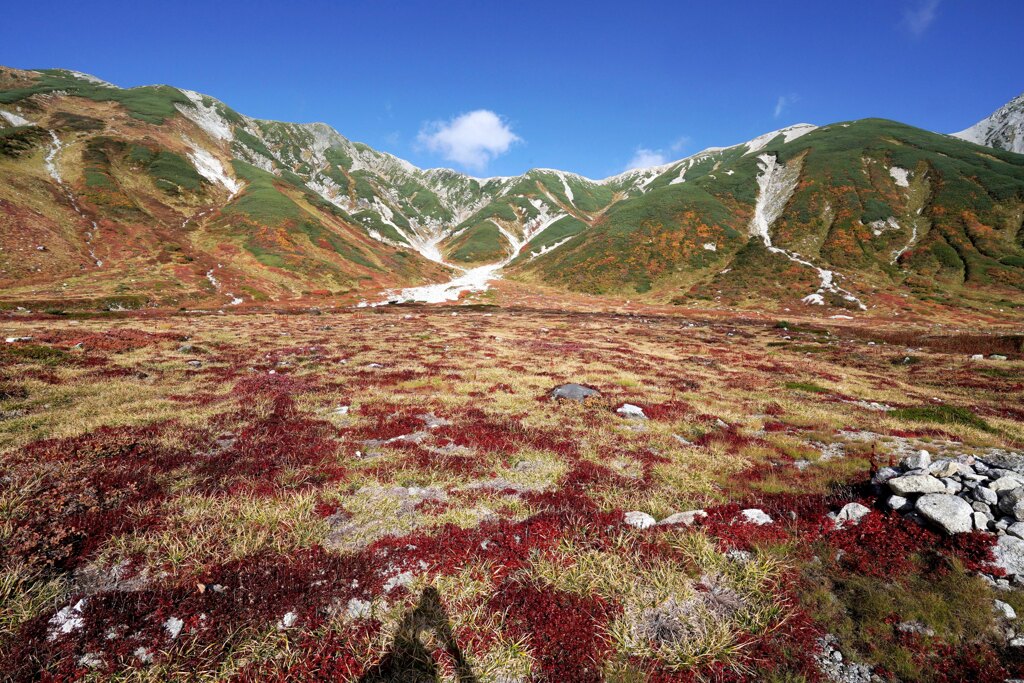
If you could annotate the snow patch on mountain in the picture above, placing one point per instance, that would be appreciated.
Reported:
(1004, 129)
(50, 162)
(473, 280)
(210, 168)
(901, 251)
(789, 134)
(14, 119)
(776, 184)
(205, 116)
(92, 79)
(549, 247)
(900, 176)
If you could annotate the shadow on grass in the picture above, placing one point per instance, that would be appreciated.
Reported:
(408, 661)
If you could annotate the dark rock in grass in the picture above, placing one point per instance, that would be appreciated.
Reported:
(195, 363)
(574, 392)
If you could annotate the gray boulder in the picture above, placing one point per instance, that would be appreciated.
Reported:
(851, 514)
(573, 392)
(947, 468)
(984, 494)
(1006, 460)
(1012, 503)
(1006, 483)
(640, 520)
(885, 474)
(916, 483)
(1009, 554)
(899, 503)
(953, 514)
(756, 516)
(916, 461)
(1005, 610)
(686, 518)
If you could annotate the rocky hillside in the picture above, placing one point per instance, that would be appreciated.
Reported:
(162, 196)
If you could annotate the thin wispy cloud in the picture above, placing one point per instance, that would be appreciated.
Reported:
(783, 103)
(471, 140)
(681, 143)
(920, 16)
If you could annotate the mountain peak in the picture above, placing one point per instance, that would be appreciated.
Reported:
(1004, 129)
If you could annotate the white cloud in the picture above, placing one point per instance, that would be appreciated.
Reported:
(472, 139)
(919, 18)
(644, 158)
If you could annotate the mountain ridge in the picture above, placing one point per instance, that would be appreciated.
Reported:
(302, 209)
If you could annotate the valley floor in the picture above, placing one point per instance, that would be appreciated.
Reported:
(391, 494)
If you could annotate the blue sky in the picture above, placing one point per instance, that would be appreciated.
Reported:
(582, 86)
